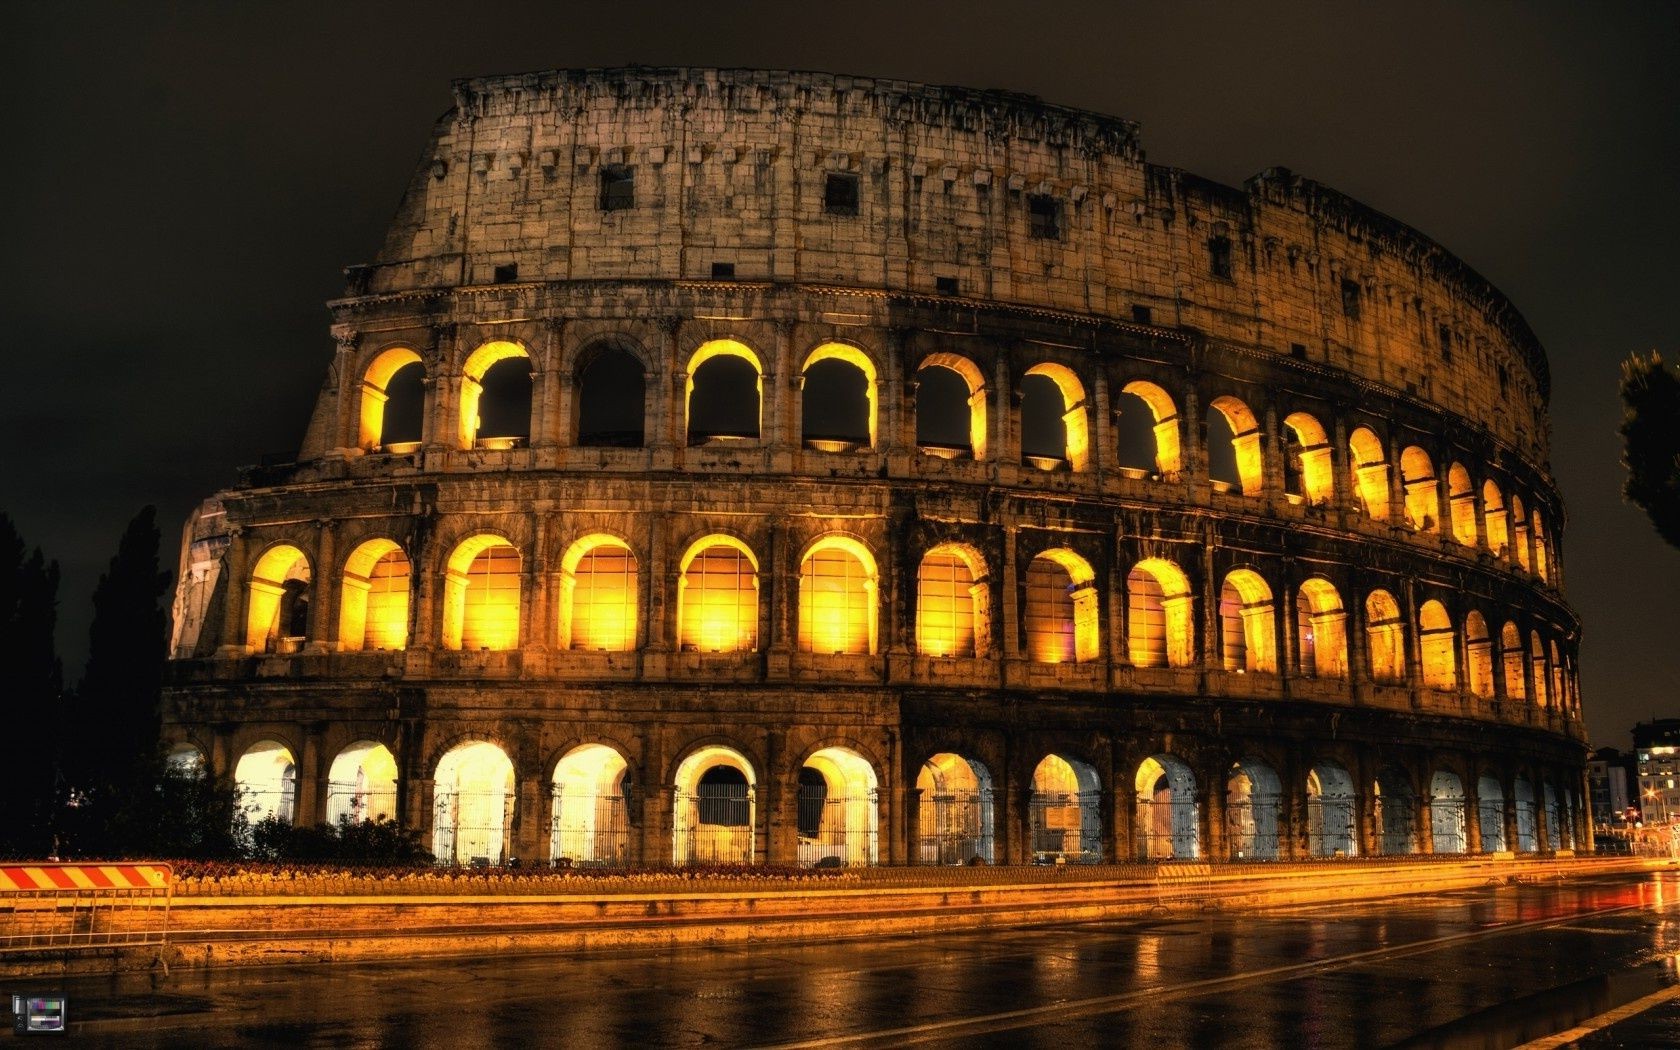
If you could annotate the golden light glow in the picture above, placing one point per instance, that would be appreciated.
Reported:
(1462, 496)
(1493, 513)
(598, 595)
(1064, 810)
(1478, 655)
(473, 795)
(481, 595)
(266, 778)
(1313, 458)
(1321, 626)
(1511, 656)
(1245, 442)
(590, 822)
(1542, 684)
(859, 360)
(362, 783)
(1247, 618)
(1542, 555)
(721, 348)
(848, 826)
(1061, 609)
(1437, 645)
(976, 383)
(472, 384)
(952, 602)
(1370, 473)
(1385, 638)
(1519, 532)
(277, 606)
(374, 381)
(1168, 447)
(373, 605)
(956, 810)
(837, 588)
(717, 596)
(1417, 476)
(714, 826)
(1158, 603)
(1075, 421)
(1166, 819)
(1556, 677)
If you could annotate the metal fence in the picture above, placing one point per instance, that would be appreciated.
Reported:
(1251, 828)
(50, 907)
(1491, 817)
(589, 829)
(1447, 825)
(836, 831)
(956, 828)
(1396, 825)
(1167, 830)
(473, 827)
(1527, 840)
(1331, 827)
(715, 825)
(1065, 826)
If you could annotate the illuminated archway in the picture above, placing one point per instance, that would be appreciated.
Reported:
(1167, 812)
(1385, 640)
(837, 596)
(1490, 811)
(362, 784)
(1438, 646)
(472, 805)
(1417, 476)
(1461, 495)
(1519, 533)
(1158, 602)
(278, 606)
(1555, 677)
(1063, 816)
(717, 596)
(838, 809)
(377, 392)
(1330, 812)
(952, 602)
(1370, 473)
(1146, 411)
(1321, 629)
(1253, 794)
(1235, 460)
(1447, 814)
(495, 409)
(266, 781)
(1075, 425)
(1542, 553)
(1493, 515)
(940, 415)
(1061, 608)
(481, 595)
(1527, 838)
(373, 605)
(1395, 813)
(840, 395)
(719, 385)
(955, 817)
(589, 815)
(716, 808)
(1511, 658)
(1542, 681)
(1309, 472)
(1247, 625)
(1478, 655)
(598, 595)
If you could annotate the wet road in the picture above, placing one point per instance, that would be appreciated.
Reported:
(1493, 967)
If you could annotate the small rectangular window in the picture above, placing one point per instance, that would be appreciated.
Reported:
(1504, 379)
(1298, 351)
(1219, 257)
(945, 285)
(507, 274)
(618, 187)
(1142, 315)
(840, 193)
(1045, 213)
(1446, 337)
(723, 271)
(1350, 299)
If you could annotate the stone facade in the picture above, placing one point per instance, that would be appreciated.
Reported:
(1371, 594)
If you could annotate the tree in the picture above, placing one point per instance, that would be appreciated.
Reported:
(31, 697)
(1651, 433)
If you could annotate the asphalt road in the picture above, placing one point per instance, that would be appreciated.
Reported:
(1485, 968)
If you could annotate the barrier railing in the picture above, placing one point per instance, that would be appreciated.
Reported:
(53, 907)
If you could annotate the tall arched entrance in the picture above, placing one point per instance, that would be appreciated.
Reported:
(1527, 840)
(838, 810)
(1394, 808)
(956, 811)
(1252, 795)
(1446, 813)
(472, 805)
(1066, 826)
(266, 780)
(715, 809)
(1330, 812)
(589, 821)
(362, 784)
(1490, 813)
(1165, 827)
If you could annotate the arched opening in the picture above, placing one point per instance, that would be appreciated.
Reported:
(1330, 812)
(1252, 796)
(1542, 681)
(1247, 624)
(393, 400)
(1523, 794)
(1519, 533)
(1308, 473)
(717, 597)
(1063, 816)
(1321, 630)
(265, 778)
(1493, 515)
(1478, 655)
(589, 816)
(955, 825)
(598, 589)
(1158, 628)
(1437, 644)
(1554, 825)
(1511, 658)
(952, 602)
(1233, 447)
(1370, 473)
(1461, 495)
(481, 595)
(1385, 642)
(838, 810)
(722, 400)
(185, 760)
(1055, 426)
(837, 590)
(1446, 813)
(611, 399)
(1395, 813)
(373, 606)
(1490, 814)
(472, 805)
(362, 784)
(496, 397)
(1166, 822)
(1556, 677)
(1542, 554)
(950, 407)
(1146, 422)
(277, 609)
(716, 810)
(1417, 475)
(838, 399)
(1061, 608)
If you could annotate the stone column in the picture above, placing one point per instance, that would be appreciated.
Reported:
(1195, 461)
(1010, 592)
(1472, 813)
(1272, 451)
(323, 604)
(349, 392)
(309, 807)
(553, 388)
(529, 834)
(536, 629)
(236, 572)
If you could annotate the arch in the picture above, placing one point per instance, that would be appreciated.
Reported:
(362, 784)
(952, 602)
(1542, 553)
(1253, 794)
(939, 415)
(265, 779)
(1370, 473)
(1158, 604)
(1308, 471)
(1070, 417)
(1395, 813)
(1519, 533)
(1330, 812)
(590, 807)
(1061, 608)
(1461, 496)
(278, 602)
(1417, 477)
(1235, 460)
(185, 759)
(717, 596)
(838, 587)
(1447, 813)
(1478, 655)
(1555, 678)
(1063, 812)
(373, 604)
(598, 588)
(1493, 514)
(496, 396)
(610, 403)
(1490, 811)
(716, 808)
(382, 423)
(1385, 640)
(714, 403)
(472, 805)
(1320, 629)
(956, 823)
(1166, 826)
(836, 407)
(1151, 424)
(1437, 645)
(839, 810)
(1511, 658)
(1522, 795)
(1542, 681)
(481, 592)
(1247, 624)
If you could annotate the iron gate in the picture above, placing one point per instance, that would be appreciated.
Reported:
(956, 828)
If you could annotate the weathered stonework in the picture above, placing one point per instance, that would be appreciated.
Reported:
(1281, 300)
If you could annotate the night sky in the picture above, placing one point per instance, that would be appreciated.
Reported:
(183, 183)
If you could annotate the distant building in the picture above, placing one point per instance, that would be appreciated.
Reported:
(1656, 748)
(1607, 779)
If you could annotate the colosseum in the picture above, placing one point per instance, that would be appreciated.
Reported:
(729, 466)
